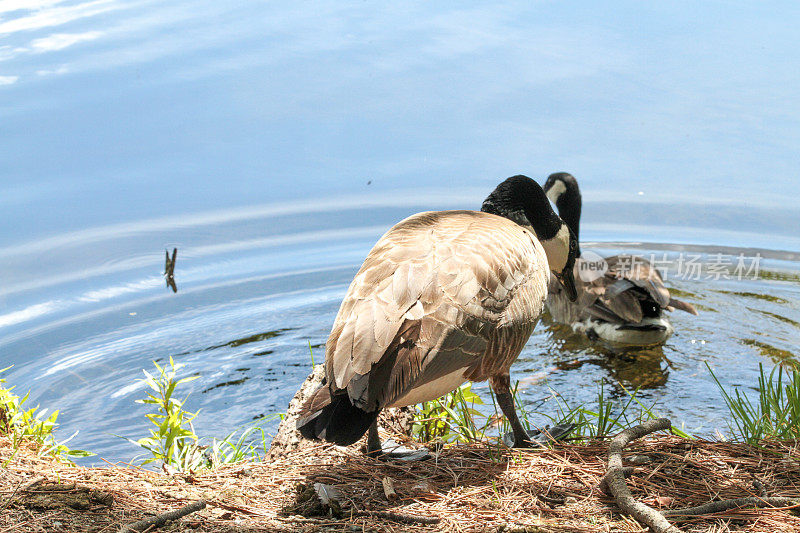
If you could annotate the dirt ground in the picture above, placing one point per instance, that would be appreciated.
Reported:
(463, 488)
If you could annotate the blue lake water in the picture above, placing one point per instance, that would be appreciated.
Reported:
(273, 143)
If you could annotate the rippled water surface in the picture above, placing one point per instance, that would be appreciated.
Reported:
(272, 144)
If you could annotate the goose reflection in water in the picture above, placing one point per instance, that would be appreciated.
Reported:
(633, 367)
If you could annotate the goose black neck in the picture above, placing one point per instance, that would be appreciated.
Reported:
(570, 213)
(569, 203)
(522, 200)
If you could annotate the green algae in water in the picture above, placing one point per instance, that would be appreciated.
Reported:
(780, 275)
(227, 384)
(683, 293)
(756, 295)
(785, 320)
(777, 355)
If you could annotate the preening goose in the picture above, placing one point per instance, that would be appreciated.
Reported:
(443, 297)
(624, 306)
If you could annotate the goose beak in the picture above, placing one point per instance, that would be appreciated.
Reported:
(567, 279)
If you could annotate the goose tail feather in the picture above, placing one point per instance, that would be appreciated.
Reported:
(333, 418)
(683, 306)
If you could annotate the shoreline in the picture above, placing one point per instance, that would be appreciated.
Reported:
(475, 487)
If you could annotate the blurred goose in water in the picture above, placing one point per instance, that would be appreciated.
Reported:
(443, 297)
(623, 306)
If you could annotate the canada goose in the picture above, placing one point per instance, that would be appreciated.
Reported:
(443, 297)
(624, 305)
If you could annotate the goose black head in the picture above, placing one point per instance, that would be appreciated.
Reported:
(562, 189)
(522, 200)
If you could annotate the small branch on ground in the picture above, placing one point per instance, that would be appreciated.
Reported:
(727, 505)
(159, 520)
(36, 481)
(10, 498)
(549, 499)
(627, 471)
(615, 479)
(403, 518)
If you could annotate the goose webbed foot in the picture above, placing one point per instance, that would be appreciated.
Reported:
(391, 450)
(519, 438)
(540, 437)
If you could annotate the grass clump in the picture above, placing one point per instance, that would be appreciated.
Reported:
(773, 414)
(452, 418)
(776, 412)
(609, 417)
(172, 438)
(23, 424)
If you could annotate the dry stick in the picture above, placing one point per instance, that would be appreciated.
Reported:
(403, 518)
(33, 483)
(26, 488)
(11, 498)
(627, 471)
(616, 480)
(163, 518)
(726, 505)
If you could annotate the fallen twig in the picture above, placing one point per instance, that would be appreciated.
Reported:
(31, 484)
(603, 485)
(399, 517)
(615, 479)
(727, 505)
(459, 488)
(10, 498)
(163, 518)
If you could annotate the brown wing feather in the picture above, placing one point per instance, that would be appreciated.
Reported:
(613, 297)
(428, 299)
(641, 273)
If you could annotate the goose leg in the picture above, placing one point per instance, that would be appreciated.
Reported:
(501, 384)
(374, 448)
(390, 449)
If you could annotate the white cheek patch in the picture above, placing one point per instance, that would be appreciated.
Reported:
(555, 192)
(557, 249)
